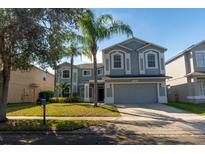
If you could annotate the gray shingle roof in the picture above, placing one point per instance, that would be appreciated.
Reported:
(89, 65)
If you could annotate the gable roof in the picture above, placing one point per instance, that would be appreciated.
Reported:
(82, 66)
(184, 51)
(65, 63)
(134, 39)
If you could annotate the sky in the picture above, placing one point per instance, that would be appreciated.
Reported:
(174, 29)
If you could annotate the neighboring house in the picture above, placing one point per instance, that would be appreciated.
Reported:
(24, 86)
(187, 70)
(133, 71)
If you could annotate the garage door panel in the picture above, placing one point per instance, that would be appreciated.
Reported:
(135, 93)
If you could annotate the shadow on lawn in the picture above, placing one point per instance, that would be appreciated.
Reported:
(20, 106)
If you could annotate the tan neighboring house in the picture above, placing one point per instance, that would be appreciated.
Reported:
(187, 70)
(24, 86)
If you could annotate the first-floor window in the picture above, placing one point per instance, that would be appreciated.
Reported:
(82, 92)
(202, 87)
(86, 72)
(66, 92)
(99, 71)
(90, 92)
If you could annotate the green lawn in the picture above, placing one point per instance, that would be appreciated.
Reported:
(36, 125)
(62, 109)
(195, 108)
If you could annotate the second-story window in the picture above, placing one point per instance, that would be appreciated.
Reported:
(66, 74)
(87, 73)
(99, 71)
(200, 59)
(151, 60)
(117, 61)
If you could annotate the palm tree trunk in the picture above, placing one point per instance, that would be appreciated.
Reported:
(71, 77)
(95, 79)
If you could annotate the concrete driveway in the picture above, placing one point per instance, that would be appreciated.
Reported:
(156, 112)
(160, 119)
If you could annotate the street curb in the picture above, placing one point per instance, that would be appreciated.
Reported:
(75, 132)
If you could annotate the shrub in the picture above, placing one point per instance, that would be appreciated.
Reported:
(58, 100)
(75, 99)
(48, 94)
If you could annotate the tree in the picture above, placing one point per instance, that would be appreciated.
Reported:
(62, 86)
(28, 36)
(72, 51)
(95, 29)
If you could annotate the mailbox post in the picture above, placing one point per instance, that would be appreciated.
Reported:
(44, 110)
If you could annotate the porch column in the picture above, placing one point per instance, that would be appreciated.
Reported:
(162, 92)
(109, 93)
(86, 92)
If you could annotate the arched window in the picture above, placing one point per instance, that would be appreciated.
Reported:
(151, 60)
(66, 74)
(117, 61)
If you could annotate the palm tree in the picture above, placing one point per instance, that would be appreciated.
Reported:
(62, 86)
(72, 51)
(96, 29)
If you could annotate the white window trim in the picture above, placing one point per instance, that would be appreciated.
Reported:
(86, 75)
(199, 52)
(101, 71)
(106, 57)
(156, 60)
(142, 70)
(127, 57)
(62, 74)
(122, 61)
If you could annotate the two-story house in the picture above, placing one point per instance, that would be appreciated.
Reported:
(187, 70)
(132, 71)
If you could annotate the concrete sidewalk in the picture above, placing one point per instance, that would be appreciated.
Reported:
(67, 118)
(122, 118)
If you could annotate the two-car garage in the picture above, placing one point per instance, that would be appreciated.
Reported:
(135, 93)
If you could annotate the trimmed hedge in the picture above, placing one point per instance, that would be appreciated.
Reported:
(48, 94)
(75, 99)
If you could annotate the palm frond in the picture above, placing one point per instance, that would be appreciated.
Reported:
(88, 53)
(107, 26)
(104, 19)
(119, 27)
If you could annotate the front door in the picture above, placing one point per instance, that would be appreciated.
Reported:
(100, 94)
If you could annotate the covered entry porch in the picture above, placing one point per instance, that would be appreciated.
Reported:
(89, 91)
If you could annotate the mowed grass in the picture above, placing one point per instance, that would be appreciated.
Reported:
(62, 109)
(195, 108)
(51, 125)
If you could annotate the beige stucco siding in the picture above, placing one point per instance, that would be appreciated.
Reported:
(24, 86)
(176, 69)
